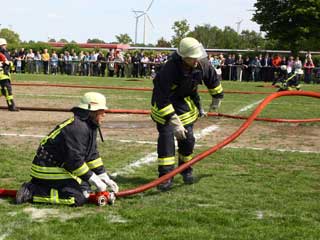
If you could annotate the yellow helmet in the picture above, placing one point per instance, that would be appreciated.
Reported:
(93, 101)
(191, 48)
(3, 41)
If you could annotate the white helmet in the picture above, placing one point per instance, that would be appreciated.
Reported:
(93, 101)
(283, 67)
(191, 48)
(3, 41)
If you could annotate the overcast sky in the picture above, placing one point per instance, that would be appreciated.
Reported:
(104, 19)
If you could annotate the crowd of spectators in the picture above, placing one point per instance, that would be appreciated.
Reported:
(123, 64)
(264, 68)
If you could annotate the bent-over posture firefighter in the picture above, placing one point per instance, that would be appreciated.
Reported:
(67, 160)
(5, 77)
(288, 80)
(176, 105)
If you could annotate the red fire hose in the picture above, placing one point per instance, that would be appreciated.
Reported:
(105, 197)
(115, 88)
(147, 112)
(223, 143)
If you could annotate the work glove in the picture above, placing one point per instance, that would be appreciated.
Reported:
(202, 113)
(96, 181)
(112, 184)
(215, 104)
(178, 129)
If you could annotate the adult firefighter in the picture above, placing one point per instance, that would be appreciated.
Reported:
(176, 105)
(67, 160)
(289, 80)
(5, 66)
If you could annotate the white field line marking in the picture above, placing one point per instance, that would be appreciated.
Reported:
(21, 135)
(248, 107)
(155, 143)
(152, 157)
(75, 96)
(48, 95)
(270, 149)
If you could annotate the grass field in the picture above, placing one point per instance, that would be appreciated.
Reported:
(265, 185)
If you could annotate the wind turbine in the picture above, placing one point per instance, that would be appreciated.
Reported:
(137, 14)
(238, 25)
(146, 16)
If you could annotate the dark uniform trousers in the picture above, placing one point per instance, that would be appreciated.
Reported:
(6, 90)
(166, 148)
(65, 192)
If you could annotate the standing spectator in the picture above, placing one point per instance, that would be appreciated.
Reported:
(61, 63)
(30, 61)
(22, 55)
(45, 61)
(128, 65)
(298, 68)
(136, 65)
(19, 65)
(119, 61)
(239, 67)
(246, 69)
(37, 60)
(102, 64)
(54, 63)
(266, 69)
(144, 66)
(290, 64)
(255, 69)
(67, 62)
(111, 64)
(308, 68)
(75, 63)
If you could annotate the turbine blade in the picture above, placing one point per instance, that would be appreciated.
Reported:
(149, 19)
(149, 6)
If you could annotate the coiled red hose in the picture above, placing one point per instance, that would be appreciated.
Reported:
(220, 145)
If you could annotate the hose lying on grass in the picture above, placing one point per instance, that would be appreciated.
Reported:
(199, 157)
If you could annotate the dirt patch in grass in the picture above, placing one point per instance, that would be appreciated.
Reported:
(303, 137)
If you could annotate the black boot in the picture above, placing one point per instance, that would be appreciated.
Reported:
(12, 107)
(187, 174)
(163, 170)
(24, 194)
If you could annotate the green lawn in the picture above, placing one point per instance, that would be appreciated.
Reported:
(239, 193)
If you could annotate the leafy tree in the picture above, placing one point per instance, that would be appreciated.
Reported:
(229, 38)
(10, 36)
(95, 40)
(124, 38)
(163, 43)
(206, 34)
(181, 28)
(52, 40)
(251, 39)
(292, 22)
(69, 47)
(63, 40)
